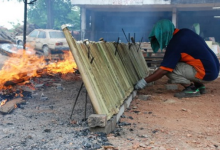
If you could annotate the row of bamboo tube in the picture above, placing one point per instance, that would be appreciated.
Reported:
(109, 75)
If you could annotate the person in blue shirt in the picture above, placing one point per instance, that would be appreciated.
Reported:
(187, 61)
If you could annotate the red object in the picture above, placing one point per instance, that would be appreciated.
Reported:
(60, 43)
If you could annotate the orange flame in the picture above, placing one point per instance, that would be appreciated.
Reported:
(64, 66)
(23, 66)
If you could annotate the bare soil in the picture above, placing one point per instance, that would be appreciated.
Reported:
(161, 122)
(165, 122)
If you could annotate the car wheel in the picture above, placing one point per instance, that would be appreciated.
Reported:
(46, 50)
(20, 43)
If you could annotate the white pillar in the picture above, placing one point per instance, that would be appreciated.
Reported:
(83, 23)
(174, 17)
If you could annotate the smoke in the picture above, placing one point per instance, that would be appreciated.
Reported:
(109, 25)
(209, 26)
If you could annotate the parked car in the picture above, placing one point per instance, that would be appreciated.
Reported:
(47, 40)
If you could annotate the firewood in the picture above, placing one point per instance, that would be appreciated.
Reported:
(10, 105)
(14, 82)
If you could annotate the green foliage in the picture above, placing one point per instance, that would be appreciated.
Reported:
(75, 17)
(37, 14)
(62, 13)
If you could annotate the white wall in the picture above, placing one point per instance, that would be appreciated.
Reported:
(119, 2)
(149, 2)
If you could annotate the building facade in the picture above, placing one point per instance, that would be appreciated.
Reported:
(109, 18)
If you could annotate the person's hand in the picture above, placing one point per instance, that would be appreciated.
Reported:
(140, 84)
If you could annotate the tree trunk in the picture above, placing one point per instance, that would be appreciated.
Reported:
(50, 18)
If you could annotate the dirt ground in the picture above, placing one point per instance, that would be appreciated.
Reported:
(161, 122)
(164, 122)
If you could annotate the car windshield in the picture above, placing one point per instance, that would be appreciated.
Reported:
(56, 34)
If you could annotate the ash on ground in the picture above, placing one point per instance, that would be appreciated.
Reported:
(44, 121)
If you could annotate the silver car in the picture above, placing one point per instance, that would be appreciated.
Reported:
(46, 40)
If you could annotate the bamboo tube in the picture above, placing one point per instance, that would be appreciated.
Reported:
(118, 80)
(94, 75)
(140, 66)
(142, 62)
(100, 78)
(87, 83)
(118, 69)
(111, 70)
(110, 78)
(107, 99)
(111, 94)
(124, 54)
(138, 61)
(134, 60)
(123, 65)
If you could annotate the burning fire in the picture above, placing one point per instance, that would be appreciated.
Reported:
(66, 66)
(25, 66)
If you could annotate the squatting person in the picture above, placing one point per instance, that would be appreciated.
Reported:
(187, 61)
